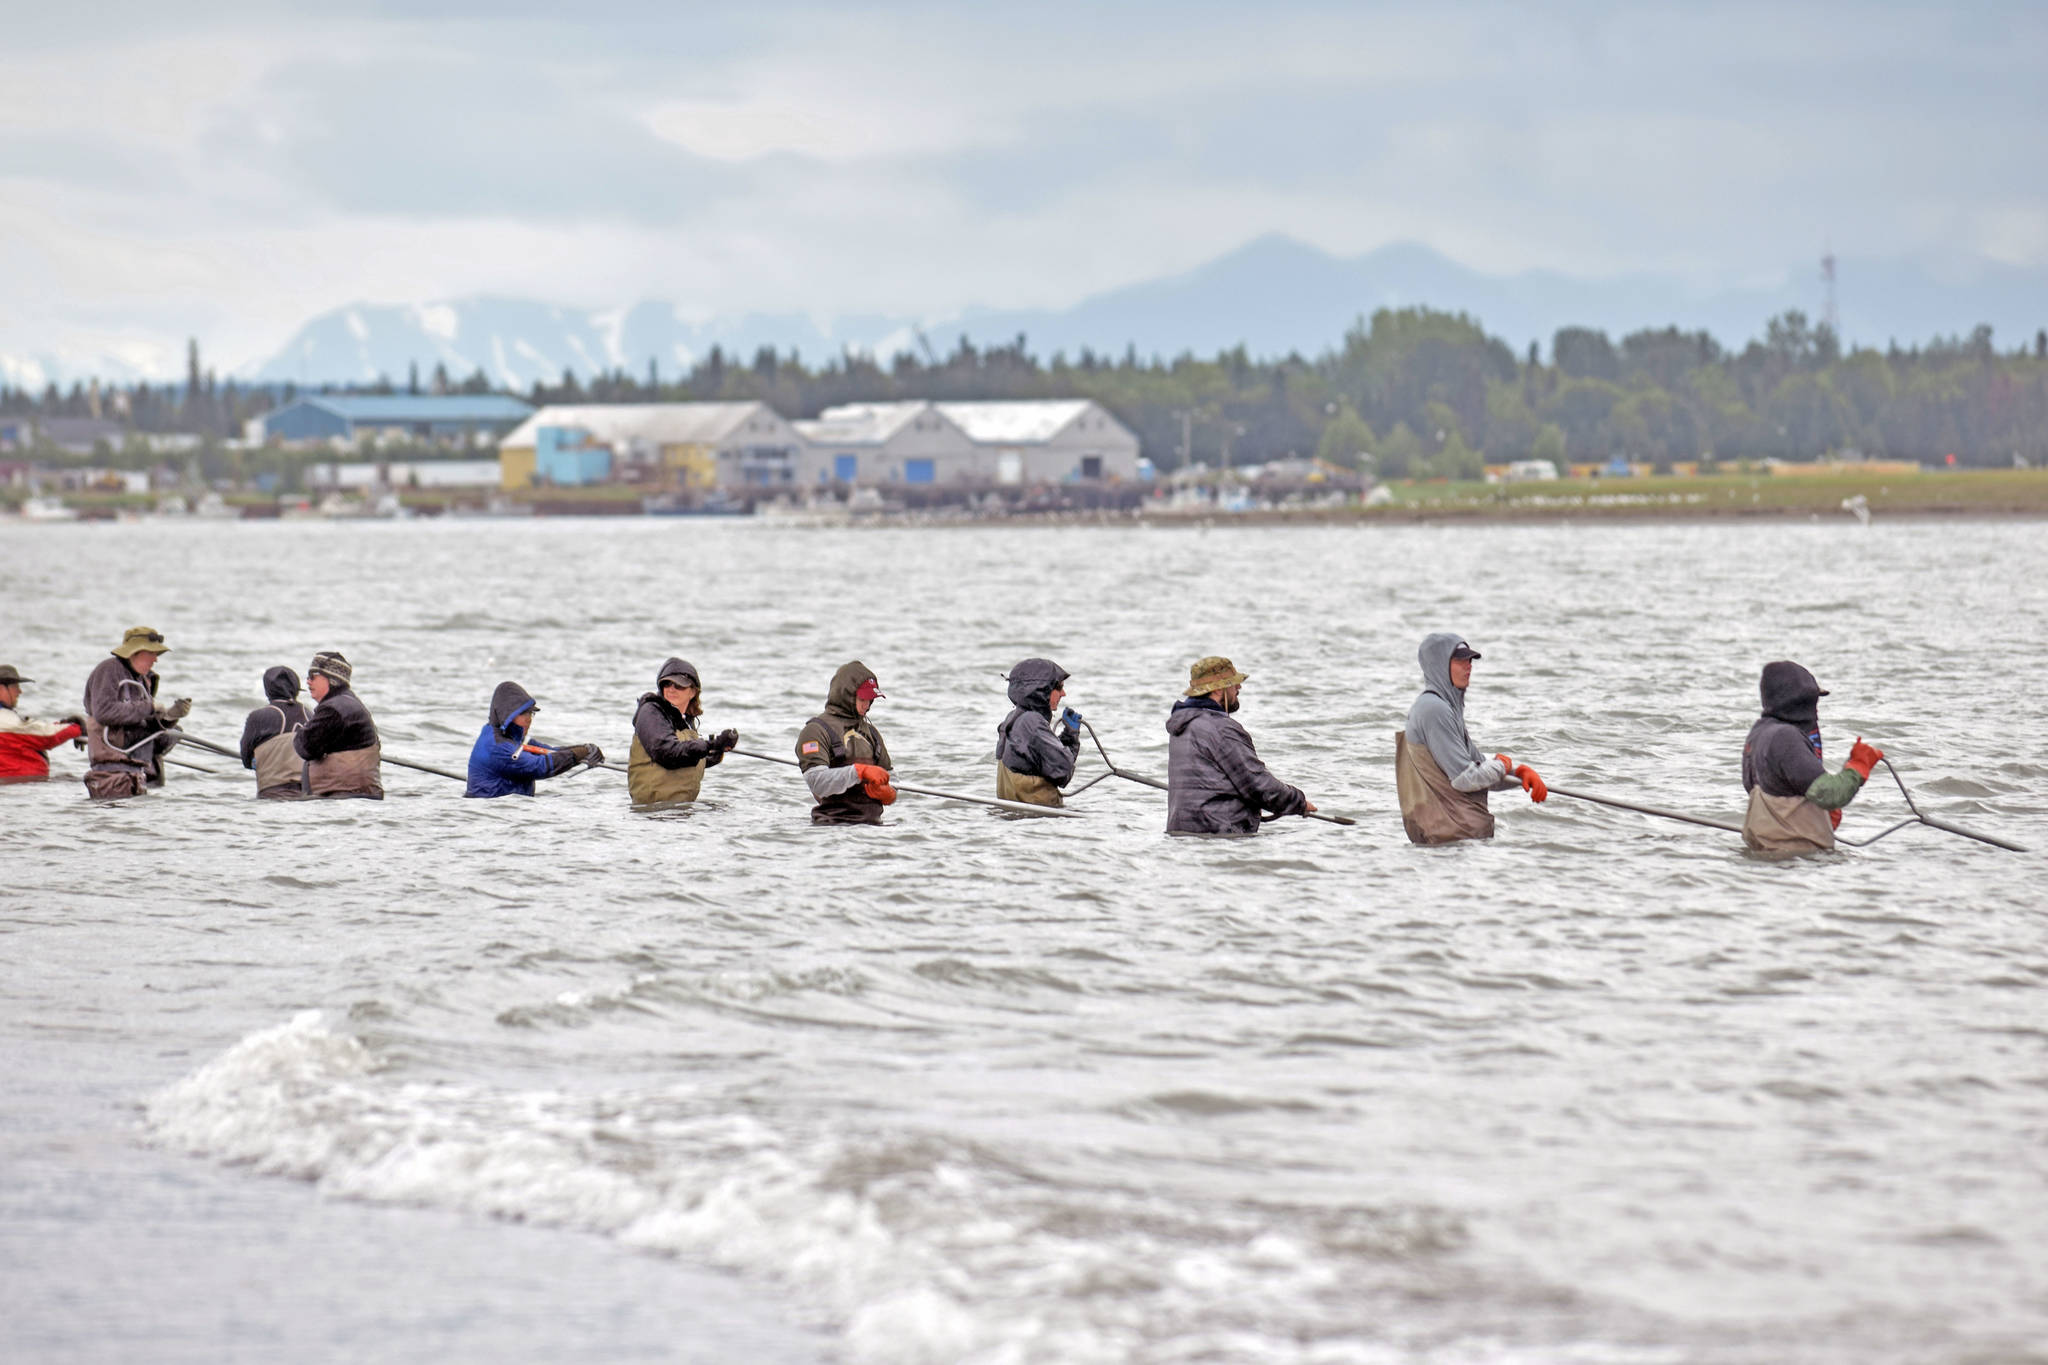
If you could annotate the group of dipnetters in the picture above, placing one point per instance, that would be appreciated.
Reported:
(1216, 783)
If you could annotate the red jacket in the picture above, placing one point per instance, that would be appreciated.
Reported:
(23, 742)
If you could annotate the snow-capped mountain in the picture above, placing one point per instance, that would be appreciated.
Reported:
(517, 341)
(1273, 295)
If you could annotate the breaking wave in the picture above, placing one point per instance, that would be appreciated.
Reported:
(916, 1247)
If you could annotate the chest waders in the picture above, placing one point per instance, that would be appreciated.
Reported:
(1786, 824)
(846, 745)
(351, 772)
(1432, 810)
(650, 784)
(280, 772)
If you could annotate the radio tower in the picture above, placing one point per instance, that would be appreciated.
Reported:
(1827, 276)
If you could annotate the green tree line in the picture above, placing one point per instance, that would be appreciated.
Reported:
(1410, 392)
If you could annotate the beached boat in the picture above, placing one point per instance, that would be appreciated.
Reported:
(47, 509)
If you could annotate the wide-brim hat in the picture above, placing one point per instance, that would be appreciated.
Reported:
(10, 678)
(141, 640)
(1212, 674)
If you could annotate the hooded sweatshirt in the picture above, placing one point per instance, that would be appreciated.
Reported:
(1215, 783)
(1025, 743)
(1782, 754)
(832, 743)
(281, 713)
(501, 763)
(1437, 722)
(666, 743)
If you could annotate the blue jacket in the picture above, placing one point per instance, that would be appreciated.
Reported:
(500, 764)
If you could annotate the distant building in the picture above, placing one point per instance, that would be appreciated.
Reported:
(998, 443)
(568, 456)
(401, 474)
(690, 446)
(874, 443)
(449, 419)
(79, 435)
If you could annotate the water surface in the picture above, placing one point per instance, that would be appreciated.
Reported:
(444, 1079)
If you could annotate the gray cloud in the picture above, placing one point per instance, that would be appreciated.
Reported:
(918, 159)
(457, 137)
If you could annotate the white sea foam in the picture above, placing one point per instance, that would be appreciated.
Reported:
(920, 1249)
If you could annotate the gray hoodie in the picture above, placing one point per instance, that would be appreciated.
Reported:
(1437, 722)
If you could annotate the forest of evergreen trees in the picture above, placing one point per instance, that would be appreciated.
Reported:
(1411, 392)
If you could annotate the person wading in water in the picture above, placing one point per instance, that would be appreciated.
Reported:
(1795, 803)
(25, 743)
(1034, 755)
(339, 743)
(842, 754)
(1215, 783)
(669, 756)
(267, 738)
(502, 763)
(126, 732)
(1439, 774)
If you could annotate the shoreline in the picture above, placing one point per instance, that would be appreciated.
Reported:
(1177, 520)
(1422, 516)
(2000, 495)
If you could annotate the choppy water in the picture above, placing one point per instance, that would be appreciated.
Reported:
(576, 1083)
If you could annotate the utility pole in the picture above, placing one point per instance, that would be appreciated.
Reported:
(1827, 275)
(1187, 434)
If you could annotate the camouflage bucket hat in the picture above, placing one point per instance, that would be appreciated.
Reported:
(1212, 674)
(141, 640)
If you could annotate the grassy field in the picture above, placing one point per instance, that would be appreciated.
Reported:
(1987, 492)
(1998, 492)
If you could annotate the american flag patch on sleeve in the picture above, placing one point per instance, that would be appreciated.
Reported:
(810, 746)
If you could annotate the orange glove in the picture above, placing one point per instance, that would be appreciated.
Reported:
(1532, 784)
(1835, 818)
(875, 782)
(1862, 758)
(1507, 764)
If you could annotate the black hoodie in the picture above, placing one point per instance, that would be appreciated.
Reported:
(1025, 743)
(281, 713)
(1782, 753)
(655, 723)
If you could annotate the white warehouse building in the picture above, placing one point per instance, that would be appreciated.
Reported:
(999, 443)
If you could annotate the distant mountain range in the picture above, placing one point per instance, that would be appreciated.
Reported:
(1274, 295)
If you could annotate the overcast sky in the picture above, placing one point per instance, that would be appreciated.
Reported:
(228, 171)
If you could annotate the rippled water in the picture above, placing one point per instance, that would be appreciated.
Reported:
(970, 1088)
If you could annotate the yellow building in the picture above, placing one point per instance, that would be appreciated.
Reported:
(690, 465)
(515, 467)
(678, 445)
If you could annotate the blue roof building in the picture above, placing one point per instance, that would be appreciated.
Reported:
(456, 417)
